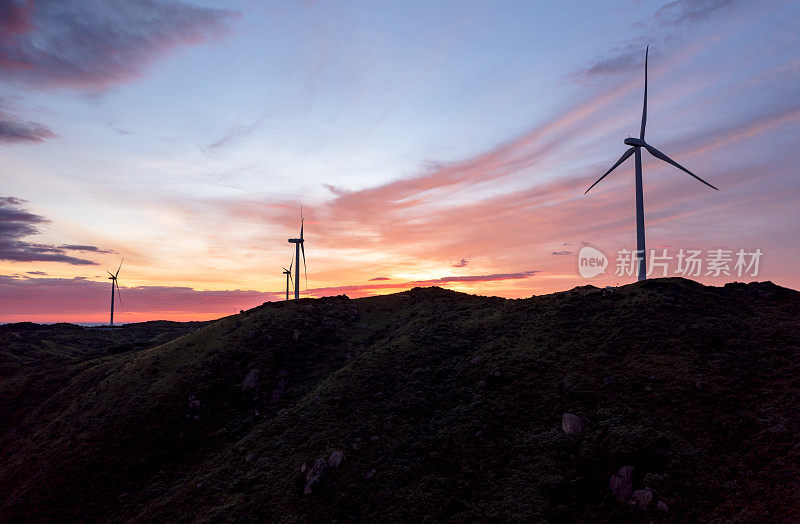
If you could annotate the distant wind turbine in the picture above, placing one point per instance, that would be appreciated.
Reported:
(113, 278)
(298, 247)
(636, 148)
(288, 273)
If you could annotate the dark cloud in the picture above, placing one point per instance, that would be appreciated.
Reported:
(479, 278)
(627, 58)
(683, 11)
(378, 278)
(94, 45)
(669, 20)
(462, 263)
(366, 289)
(17, 223)
(36, 273)
(561, 253)
(14, 131)
(91, 249)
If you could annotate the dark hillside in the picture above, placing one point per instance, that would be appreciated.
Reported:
(37, 359)
(446, 406)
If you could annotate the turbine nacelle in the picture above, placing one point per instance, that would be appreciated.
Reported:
(635, 142)
(296, 240)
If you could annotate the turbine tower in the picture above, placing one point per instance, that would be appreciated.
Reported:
(113, 278)
(636, 149)
(288, 273)
(298, 247)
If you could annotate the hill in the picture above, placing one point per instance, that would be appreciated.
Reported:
(444, 406)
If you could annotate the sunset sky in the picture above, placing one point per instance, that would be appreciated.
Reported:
(430, 143)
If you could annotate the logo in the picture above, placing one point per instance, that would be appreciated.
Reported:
(591, 262)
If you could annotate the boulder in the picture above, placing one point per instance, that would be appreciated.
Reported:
(308, 489)
(250, 380)
(621, 483)
(641, 499)
(572, 424)
(280, 387)
(336, 459)
(314, 475)
(627, 472)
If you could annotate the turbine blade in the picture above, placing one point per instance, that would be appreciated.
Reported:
(118, 295)
(305, 270)
(622, 159)
(661, 156)
(120, 266)
(644, 107)
(110, 273)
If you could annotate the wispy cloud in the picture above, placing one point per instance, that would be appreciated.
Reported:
(235, 134)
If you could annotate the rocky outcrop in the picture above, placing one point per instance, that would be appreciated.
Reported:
(250, 380)
(641, 499)
(336, 459)
(621, 483)
(572, 424)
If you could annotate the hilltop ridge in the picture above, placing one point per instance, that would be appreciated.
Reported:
(445, 406)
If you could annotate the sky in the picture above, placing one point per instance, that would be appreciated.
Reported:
(429, 143)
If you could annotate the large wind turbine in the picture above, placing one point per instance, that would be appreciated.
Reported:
(298, 247)
(288, 273)
(113, 278)
(636, 149)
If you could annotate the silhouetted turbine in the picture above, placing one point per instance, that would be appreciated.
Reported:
(113, 278)
(636, 148)
(298, 247)
(288, 273)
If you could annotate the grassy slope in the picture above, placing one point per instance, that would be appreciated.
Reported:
(453, 400)
(37, 359)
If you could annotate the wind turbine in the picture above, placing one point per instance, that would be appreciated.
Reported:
(636, 149)
(113, 278)
(288, 273)
(298, 247)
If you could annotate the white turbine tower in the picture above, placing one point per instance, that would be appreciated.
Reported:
(636, 148)
(298, 247)
(113, 278)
